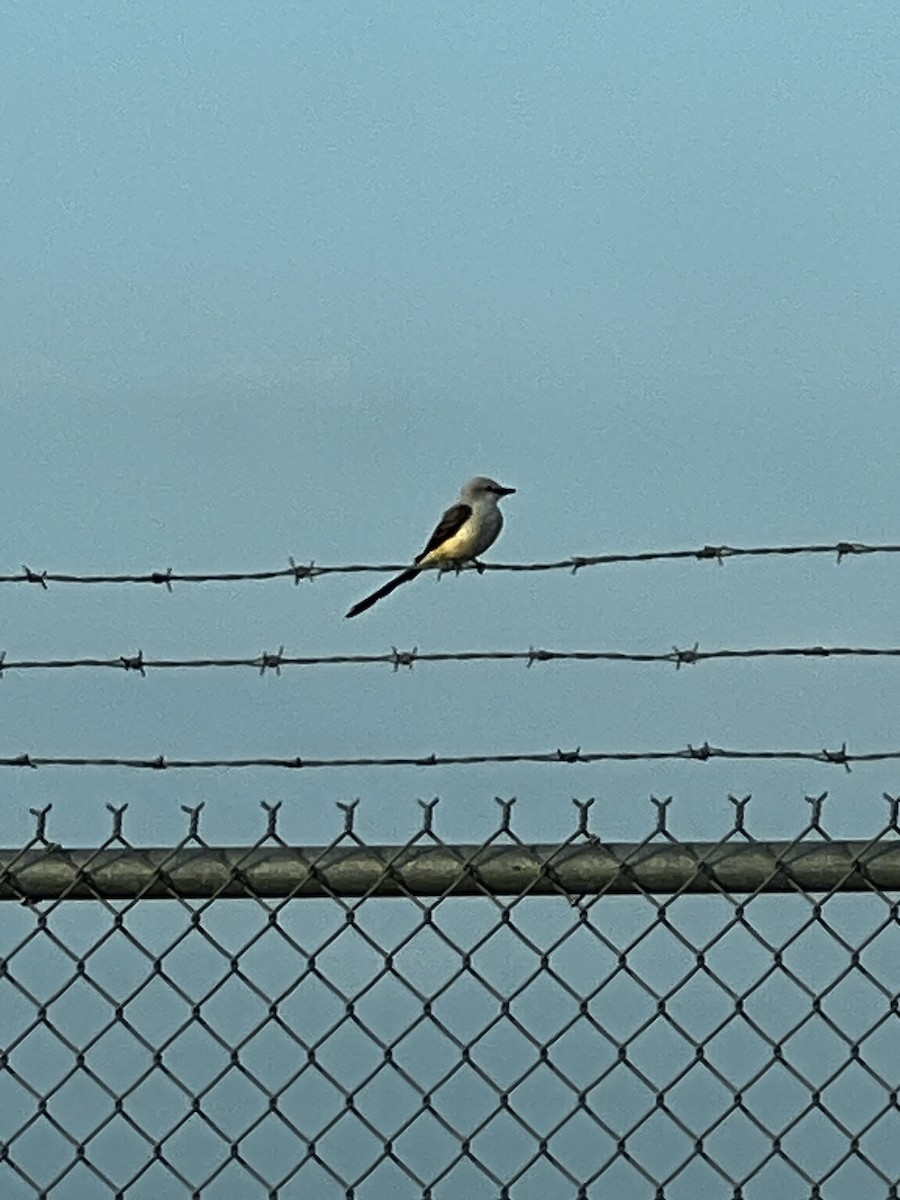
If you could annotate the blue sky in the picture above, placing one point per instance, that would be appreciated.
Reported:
(278, 279)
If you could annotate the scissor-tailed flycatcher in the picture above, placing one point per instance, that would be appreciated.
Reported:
(463, 532)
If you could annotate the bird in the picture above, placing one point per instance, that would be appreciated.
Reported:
(464, 532)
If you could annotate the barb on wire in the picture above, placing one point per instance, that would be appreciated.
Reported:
(139, 664)
(700, 753)
(573, 564)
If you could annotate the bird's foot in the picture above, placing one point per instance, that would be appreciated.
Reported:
(455, 565)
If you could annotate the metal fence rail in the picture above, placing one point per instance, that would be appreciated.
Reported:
(661, 1019)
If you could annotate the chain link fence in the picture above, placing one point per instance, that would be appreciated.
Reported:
(581, 1019)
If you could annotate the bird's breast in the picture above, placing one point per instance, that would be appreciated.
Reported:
(470, 540)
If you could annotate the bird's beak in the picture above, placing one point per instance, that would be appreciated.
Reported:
(506, 491)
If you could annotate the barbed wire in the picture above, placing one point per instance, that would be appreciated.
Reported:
(300, 572)
(274, 661)
(703, 753)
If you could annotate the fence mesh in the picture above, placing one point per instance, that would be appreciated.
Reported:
(657, 1019)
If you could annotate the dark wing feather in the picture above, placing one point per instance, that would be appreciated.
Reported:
(450, 523)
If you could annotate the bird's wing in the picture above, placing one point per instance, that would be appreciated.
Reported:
(450, 523)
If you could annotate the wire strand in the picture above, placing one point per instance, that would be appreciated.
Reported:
(274, 661)
(299, 572)
(702, 753)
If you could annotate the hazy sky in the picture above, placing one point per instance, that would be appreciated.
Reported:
(277, 279)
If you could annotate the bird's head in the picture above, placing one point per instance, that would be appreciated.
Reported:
(481, 487)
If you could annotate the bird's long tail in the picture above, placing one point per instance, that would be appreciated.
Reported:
(384, 590)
